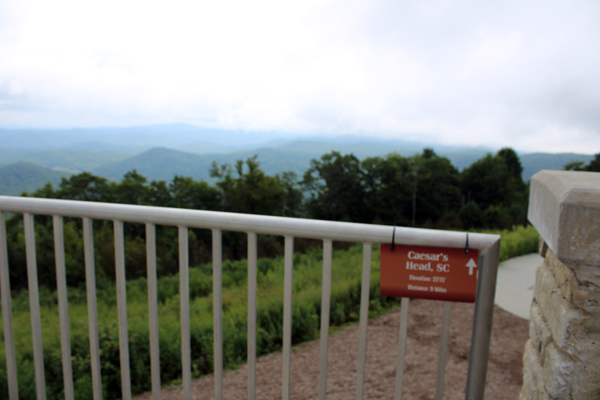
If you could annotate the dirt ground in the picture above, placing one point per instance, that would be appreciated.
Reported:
(504, 376)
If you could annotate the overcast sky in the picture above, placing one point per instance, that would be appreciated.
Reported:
(520, 73)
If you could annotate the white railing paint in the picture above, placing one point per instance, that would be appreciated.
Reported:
(63, 310)
(9, 338)
(153, 310)
(325, 308)
(184, 307)
(401, 347)
(122, 309)
(34, 306)
(252, 274)
(327, 231)
(90, 286)
(218, 313)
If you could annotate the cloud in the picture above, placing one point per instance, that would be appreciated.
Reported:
(521, 74)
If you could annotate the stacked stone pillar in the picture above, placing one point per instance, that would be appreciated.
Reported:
(562, 355)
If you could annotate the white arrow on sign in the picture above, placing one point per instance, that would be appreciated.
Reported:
(471, 264)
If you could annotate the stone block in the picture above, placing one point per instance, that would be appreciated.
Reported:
(539, 334)
(558, 372)
(564, 207)
(533, 383)
(571, 357)
(572, 328)
(580, 286)
(566, 377)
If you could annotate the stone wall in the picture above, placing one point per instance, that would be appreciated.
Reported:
(562, 356)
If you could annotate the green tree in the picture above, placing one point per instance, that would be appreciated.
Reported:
(495, 181)
(335, 185)
(593, 166)
(388, 197)
(158, 194)
(294, 201)
(471, 215)
(513, 164)
(188, 193)
(411, 190)
(250, 190)
(435, 187)
(132, 189)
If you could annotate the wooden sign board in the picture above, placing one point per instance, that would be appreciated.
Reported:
(436, 273)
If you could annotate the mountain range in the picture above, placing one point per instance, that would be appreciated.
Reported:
(31, 158)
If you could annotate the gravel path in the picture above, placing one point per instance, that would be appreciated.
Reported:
(504, 377)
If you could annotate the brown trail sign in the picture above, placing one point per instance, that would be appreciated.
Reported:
(435, 273)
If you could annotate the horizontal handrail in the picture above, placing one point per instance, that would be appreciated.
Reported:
(262, 224)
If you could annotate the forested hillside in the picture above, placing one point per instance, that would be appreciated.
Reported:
(65, 159)
(423, 190)
(195, 159)
(24, 176)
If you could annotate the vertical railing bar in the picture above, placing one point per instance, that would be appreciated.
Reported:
(217, 313)
(122, 310)
(252, 272)
(153, 309)
(90, 283)
(401, 347)
(439, 392)
(34, 305)
(63, 308)
(7, 319)
(325, 308)
(364, 319)
(482, 322)
(184, 297)
(287, 315)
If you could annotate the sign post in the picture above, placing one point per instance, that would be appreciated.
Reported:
(435, 273)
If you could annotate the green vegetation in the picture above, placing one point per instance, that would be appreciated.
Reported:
(423, 190)
(535, 162)
(345, 300)
(194, 160)
(67, 159)
(592, 166)
(517, 241)
(25, 176)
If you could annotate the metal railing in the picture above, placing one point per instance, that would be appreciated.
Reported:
(327, 231)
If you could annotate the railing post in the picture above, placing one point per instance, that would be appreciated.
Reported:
(252, 272)
(153, 309)
(9, 339)
(439, 391)
(401, 347)
(122, 309)
(63, 309)
(364, 319)
(482, 322)
(325, 308)
(34, 306)
(184, 297)
(287, 315)
(90, 284)
(217, 313)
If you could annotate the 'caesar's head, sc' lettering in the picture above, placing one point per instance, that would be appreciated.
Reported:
(413, 255)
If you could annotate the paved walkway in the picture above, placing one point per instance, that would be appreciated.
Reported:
(516, 281)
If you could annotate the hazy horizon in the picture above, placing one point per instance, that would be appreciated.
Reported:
(520, 74)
